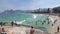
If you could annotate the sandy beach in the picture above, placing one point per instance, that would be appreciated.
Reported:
(55, 25)
(21, 30)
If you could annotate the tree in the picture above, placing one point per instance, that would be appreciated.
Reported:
(56, 10)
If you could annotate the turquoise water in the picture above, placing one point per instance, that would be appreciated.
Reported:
(35, 20)
(12, 17)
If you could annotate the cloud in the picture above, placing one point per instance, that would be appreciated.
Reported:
(27, 4)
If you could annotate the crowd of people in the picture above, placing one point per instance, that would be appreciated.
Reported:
(32, 30)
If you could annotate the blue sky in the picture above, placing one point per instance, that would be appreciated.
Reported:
(27, 4)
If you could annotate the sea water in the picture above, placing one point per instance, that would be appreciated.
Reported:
(35, 20)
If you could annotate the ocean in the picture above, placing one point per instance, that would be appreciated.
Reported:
(36, 20)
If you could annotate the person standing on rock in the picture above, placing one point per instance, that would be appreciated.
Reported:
(32, 30)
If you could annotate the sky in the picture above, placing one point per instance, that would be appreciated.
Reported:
(27, 4)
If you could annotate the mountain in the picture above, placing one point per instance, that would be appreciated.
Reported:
(25, 11)
(12, 11)
(39, 10)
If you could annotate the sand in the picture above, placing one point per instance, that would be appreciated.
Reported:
(54, 28)
(21, 30)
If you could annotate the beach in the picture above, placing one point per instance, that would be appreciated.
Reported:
(23, 27)
(21, 30)
(55, 18)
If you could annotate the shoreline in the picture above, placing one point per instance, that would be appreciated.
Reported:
(21, 29)
(18, 27)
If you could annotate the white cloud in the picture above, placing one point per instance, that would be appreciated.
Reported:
(34, 4)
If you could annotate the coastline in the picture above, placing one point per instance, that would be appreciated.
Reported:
(28, 27)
